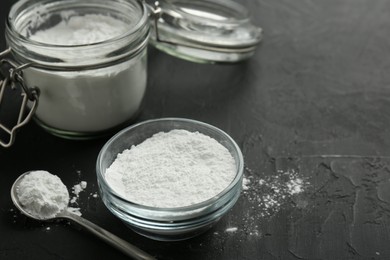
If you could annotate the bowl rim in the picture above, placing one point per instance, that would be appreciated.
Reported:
(193, 207)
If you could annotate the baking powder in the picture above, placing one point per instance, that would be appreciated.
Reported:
(271, 193)
(92, 100)
(42, 194)
(77, 30)
(76, 189)
(172, 169)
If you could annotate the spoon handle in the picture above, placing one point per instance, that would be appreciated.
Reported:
(109, 238)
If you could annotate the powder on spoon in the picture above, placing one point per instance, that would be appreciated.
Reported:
(172, 169)
(42, 194)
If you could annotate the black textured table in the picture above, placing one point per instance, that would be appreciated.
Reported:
(311, 113)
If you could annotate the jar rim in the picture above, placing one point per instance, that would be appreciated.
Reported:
(231, 13)
(11, 26)
(75, 57)
(207, 31)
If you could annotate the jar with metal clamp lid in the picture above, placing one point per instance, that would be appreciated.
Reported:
(90, 82)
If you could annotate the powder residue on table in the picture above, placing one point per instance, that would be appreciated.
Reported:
(172, 169)
(265, 196)
(270, 193)
(76, 189)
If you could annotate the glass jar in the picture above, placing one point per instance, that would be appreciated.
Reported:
(87, 89)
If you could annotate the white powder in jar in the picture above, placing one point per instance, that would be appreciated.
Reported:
(87, 101)
(172, 169)
(42, 194)
(78, 30)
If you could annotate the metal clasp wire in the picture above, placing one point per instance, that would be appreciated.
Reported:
(28, 94)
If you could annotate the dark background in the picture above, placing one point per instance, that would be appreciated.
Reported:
(314, 98)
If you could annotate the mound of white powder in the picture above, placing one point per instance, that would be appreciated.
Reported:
(42, 194)
(172, 169)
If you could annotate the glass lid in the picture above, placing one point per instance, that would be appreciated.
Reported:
(206, 31)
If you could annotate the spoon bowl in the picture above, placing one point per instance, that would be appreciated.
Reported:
(16, 201)
(101, 233)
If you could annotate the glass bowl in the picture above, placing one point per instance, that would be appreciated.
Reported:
(167, 224)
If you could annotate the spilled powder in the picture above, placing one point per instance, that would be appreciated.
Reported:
(269, 194)
(245, 184)
(263, 196)
(76, 189)
(231, 229)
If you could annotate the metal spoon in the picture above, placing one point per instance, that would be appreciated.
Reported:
(101, 233)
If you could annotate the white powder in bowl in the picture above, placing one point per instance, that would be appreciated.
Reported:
(173, 169)
(42, 194)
